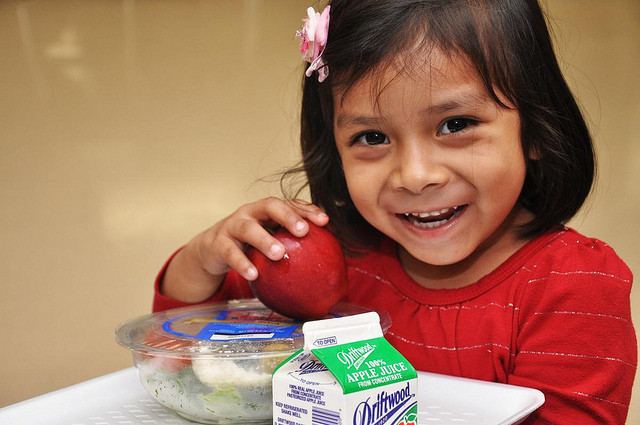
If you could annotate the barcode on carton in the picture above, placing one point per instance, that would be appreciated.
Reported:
(320, 416)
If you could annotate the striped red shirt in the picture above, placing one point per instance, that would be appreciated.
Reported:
(555, 316)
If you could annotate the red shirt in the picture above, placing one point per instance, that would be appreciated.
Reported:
(555, 316)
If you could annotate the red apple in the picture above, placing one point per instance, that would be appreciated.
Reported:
(308, 281)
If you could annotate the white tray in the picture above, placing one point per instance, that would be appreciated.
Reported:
(446, 399)
(120, 399)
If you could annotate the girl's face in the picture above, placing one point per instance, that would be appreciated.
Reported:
(435, 164)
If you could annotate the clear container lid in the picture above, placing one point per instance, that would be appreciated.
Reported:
(235, 329)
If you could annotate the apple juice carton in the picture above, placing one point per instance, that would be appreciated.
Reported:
(347, 374)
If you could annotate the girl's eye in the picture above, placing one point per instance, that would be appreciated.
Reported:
(455, 125)
(371, 138)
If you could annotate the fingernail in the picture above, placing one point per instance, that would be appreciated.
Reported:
(300, 226)
(252, 273)
(276, 249)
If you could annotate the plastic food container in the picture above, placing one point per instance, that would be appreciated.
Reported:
(213, 363)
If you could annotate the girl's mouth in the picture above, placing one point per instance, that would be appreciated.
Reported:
(433, 219)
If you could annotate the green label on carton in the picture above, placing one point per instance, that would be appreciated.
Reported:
(365, 364)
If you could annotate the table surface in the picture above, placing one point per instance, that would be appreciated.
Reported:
(119, 399)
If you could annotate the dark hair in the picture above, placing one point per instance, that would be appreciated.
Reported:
(508, 43)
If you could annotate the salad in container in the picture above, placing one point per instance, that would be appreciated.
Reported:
(213, 363)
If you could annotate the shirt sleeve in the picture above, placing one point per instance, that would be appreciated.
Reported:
(233, 287)
(575, 339)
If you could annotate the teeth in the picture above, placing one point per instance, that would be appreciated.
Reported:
(416, 217)
(430, 224)
(431, 214)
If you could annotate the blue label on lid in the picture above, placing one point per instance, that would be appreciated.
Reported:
(238, 331)
(231, 325)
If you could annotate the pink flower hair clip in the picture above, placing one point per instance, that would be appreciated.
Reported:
(313, 39)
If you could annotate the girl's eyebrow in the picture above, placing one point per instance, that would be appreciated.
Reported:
(466, 99)
(345, 119)
(460, 99)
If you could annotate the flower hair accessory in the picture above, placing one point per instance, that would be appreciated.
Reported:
(313, 39)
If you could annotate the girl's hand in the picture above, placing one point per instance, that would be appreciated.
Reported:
(197, 271)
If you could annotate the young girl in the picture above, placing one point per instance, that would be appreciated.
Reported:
(443, 143)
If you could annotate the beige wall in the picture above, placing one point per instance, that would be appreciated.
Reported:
(127, 127)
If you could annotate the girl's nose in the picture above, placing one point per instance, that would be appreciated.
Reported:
(417, 169)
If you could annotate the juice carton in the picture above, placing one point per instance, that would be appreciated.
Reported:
(346, 374)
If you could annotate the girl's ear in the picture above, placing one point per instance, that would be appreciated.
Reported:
(533, 153)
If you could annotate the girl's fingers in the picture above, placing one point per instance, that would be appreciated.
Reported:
(225, 244)
(234, 257)
(315, 215)
(288, 215)
(250, 232)
(293, 215)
